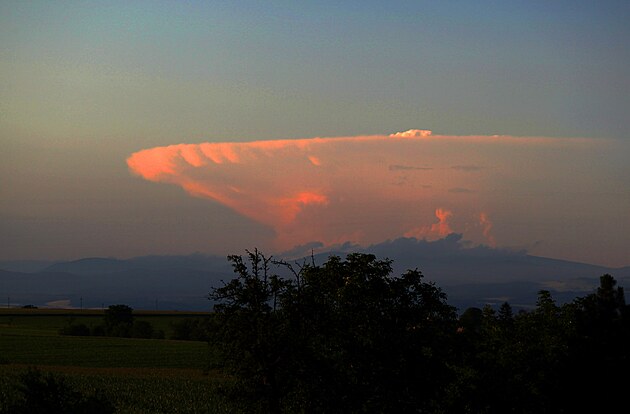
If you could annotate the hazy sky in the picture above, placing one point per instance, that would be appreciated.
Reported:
(284, 111)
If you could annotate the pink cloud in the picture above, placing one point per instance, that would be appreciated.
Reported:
(487, 228)
(436, 230)
(367, 189)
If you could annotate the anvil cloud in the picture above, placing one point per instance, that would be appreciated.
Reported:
(366, 189)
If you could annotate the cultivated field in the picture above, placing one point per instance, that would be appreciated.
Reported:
(137, 375)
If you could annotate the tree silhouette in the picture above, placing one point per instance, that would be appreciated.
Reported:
(118, 320)
(348, 337)
(345, 336)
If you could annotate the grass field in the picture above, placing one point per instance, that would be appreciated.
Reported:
(138, 375)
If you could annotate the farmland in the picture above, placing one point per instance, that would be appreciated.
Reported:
(137, 375)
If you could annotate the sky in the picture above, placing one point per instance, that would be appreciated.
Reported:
(174, 127)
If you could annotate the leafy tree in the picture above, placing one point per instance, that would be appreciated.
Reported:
(342, 337)
(600, 349)
(142, 329)
(377, 342)
(249, 330)
(347, 336)
(470, 321)
(191, 329)
(505, 316)
(552, 359)
(79, 329)
(118, 320)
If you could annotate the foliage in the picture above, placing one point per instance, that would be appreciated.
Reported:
(130, 391)
(141, 329)
(118, 321)
(250, 331)
(345, 336)
(39, 393)
(190, 329)
(348, 337)
(137, 376)
(79, 329)
(553, 359)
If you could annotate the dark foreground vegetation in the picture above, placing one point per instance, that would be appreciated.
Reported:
(119, 321)
(346, 336)
(42, 371)
(40, 393)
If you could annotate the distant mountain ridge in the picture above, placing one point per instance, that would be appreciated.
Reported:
(194, 261)
(470, 276)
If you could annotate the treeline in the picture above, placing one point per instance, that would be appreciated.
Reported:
(348, 337)
(119, 321)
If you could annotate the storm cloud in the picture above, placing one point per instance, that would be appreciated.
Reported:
(366, 189)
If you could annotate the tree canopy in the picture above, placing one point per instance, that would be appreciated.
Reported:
(347, 336)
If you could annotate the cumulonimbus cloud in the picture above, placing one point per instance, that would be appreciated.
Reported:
(363, 189)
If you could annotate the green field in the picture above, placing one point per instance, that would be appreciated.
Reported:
(137, 375)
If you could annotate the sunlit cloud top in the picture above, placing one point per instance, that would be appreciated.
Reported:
(366, 189)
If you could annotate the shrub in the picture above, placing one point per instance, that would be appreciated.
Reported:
(79, 329)
(190, 329)
(98, 330)
(39, 393)
(142, 329)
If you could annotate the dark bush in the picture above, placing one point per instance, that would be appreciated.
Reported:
(142, 329)
(39, 393)
(119, 321)
(190, 329)
(98, 330)
(79, 329)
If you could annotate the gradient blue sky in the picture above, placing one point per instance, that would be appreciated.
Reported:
(85, 84)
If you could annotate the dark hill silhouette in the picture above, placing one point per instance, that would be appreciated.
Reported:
(448, 260)
(89, 265)
(471, 276)
(174, 282)
(154, 262)
(478, 275)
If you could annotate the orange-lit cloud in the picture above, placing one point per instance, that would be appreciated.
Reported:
(368, 189)
(487, 228)
(436, 230)
(412, 133)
